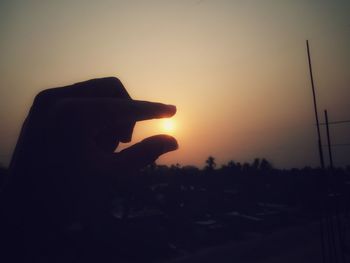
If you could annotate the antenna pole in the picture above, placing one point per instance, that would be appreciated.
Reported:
(315, 106)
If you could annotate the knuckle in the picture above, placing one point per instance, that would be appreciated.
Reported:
(113, 80)
(43, 98)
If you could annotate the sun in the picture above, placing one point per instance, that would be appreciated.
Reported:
(168, 125)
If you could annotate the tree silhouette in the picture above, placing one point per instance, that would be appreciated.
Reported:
(256, 163)
(233, 166)
(210, 163)
(265, 165)
(246, 167)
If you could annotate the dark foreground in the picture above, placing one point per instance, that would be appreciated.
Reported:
(189, 215)
(294, 244)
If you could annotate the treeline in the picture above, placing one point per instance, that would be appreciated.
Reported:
(249, 183)
(259, 166)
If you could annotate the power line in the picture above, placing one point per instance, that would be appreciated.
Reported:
(337, 145)
(335, 122)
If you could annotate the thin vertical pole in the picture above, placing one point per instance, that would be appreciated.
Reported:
(338, 226)
(329, 141)
(323, 236)
(315, 106)
(332, 232)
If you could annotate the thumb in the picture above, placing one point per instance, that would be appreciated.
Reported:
(145, 152)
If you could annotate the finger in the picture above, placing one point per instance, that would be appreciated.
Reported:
(145, 152)
(144, 110)
(109, 87)
(104, 112)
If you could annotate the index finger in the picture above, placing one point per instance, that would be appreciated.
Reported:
(144, 110)
(109, 111)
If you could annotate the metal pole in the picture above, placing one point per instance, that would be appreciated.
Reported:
(332, 232)
(328, 141)
(322, 224)
(338, 226)
(315, 106)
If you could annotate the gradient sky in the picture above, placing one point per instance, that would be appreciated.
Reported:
(237, 70)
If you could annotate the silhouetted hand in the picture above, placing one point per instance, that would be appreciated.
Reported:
(65, 167)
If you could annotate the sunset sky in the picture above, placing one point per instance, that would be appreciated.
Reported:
(236, 70)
